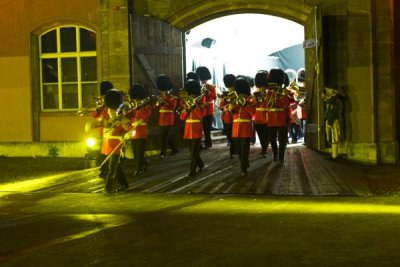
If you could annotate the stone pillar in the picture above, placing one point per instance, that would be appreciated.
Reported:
(115, 43)
(384, 80)
(360, 77)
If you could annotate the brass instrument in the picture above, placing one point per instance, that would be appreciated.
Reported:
(188, 102)
(159, 100)
(99, 104)
(259, 97)
(82, 111)
(136, 104)
(236, 99)
(203, 89)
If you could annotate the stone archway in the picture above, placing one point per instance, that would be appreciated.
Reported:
(184, 16)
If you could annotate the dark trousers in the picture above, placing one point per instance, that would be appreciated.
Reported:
(228, 132)
(139, 146)
(303, 128)
(282, 134)
(167, 140)
(294, 132)
(261, 130)
(115, 171)
(103, 168)
(243, 150)
(253, 133)
(207, 123)
(196, 161)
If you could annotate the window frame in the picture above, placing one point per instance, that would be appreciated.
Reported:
(58, 55)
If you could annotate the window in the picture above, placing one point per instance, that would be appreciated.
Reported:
(68, 64)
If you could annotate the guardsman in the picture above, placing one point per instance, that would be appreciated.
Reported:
(260, 118)
(210, 94)
(278, 113)
(332, 119)
(140, 112)
(101, 114)
(301, 99)
(116, 126)
(225, 105)
(294, 126)
(243, 111)
(166, 105)
(193, 112)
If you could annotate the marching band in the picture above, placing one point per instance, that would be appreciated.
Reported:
(270, 108)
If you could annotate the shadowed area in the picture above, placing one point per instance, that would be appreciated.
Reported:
(305, 172)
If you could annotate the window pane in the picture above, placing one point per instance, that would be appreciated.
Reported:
(49, 42)
(88, 69)
(49, 70)
(88, 40)
(89, 95)
(50, 96)
(68, 39)
(69, 96)
(69, 70)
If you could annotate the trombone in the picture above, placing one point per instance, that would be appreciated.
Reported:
(188, 102)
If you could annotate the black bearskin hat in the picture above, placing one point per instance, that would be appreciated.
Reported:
(113, 99)
(105, 86)
(229, 80)
(242, 86)
(163, 82)
(261, 79)
(276, 76)
(193, 87)
(301, 75)
(203, 73)
(137, 91)
(192, 75)
(286, 82)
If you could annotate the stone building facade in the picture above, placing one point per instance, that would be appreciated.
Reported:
(356, 50)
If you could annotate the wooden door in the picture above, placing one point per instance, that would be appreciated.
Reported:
(157, 47)
(313, 55)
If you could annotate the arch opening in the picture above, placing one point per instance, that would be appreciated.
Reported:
(243, 44)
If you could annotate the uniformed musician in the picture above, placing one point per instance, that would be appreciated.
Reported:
(115, 128)
(210, 95)
(225, 106)
(278, 113)
(260, 118)
(193, 112)
(141, 109)
(166, 108)
(101, 114)
(242, 111)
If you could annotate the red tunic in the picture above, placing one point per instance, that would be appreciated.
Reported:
(100, 114)
(166, 111)
(209, 98)
(193, 123)
(140, 116)
(278, 111)
(260, 116)
(226, 115)
(242, 121)
(111, 139)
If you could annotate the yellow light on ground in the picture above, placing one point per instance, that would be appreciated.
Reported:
(91, 142)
